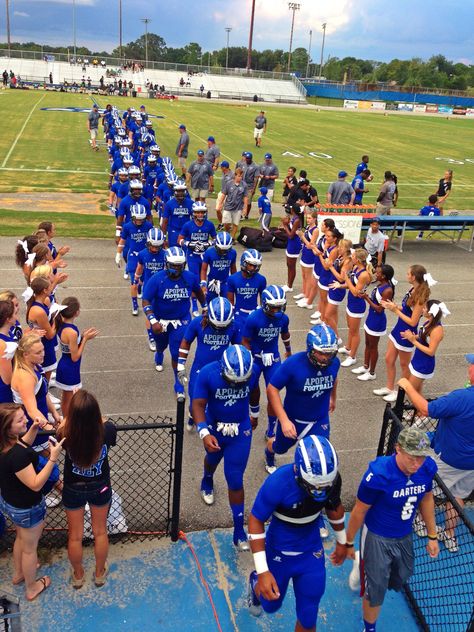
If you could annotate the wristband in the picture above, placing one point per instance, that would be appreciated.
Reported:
(341, 537)
(349, 545)
(432, 537)
(152, 320)
(203, 283)
(118, 232)
(260, 561)
(257, 536)
(203, 433)
(255, 410)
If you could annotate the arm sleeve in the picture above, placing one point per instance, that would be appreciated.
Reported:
(110, 434)
(149, 291)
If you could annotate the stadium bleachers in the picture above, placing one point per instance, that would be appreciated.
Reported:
(220, 86)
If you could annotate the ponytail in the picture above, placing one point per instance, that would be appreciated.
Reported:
(421, 292)
(433, 322)
(38, 285)
(72, 307)
(388, 273)
(21, 255)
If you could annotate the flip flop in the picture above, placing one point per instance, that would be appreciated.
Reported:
(100, 581)
(45, 586)
(77, 583)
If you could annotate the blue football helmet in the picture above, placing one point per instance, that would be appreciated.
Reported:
(155, 238)
(175, 261)
(199, 211)
(273, 300)
(220, 312)
(223, 243)
(250, 257)
(316, 466)
(321, 346)
(138, 212)
(236, 364)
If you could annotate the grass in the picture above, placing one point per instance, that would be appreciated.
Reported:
(18, 224)
(52, 152)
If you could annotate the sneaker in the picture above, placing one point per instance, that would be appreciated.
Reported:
(381, 391)
(152, 345)
(241, 542)
(450, 543)
(359, 370)
(253, 602)
(125, 275)
(298, 297)
(366, 377)
(344, 350)
(134, 311)
(140, 292)
(219, 227)
(190, 425)
(195, 313)
(391, 397)
(286, 288)
(208, 496)
(53, 499)
(315, 321)
(302, 303)
(159, 368)
(349, 361)
(316, 315)
(339, 342)
(354, 575)
(270, 466)
(310, 306)
(180, 396)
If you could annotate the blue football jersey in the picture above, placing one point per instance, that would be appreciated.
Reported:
(177, 214)
(152, 262)
(246, 291)
(135, 236)
(264, 331)
(211, 343)
(219, 267)
(170, 298)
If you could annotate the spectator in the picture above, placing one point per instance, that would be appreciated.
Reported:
(182, 148)
(212, 153)
(374, 242)
(201, 177)
(201, 89)
(340, 191)
(87, 439)
(268, 175)
(236, 199)
(289, 183)
(385, 199)
(358, 184)
(5, 78)
(21, 493)
(431, 210)
(50, 77)
(453, 443)
(260, 128)
(444, 187)
(93, 125)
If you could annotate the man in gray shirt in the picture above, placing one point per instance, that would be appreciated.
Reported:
(93, 125)
(387, 192)
(268, 174)
(235, 192)
(260, 128)
(227, 176)
(212, 153)
(182, 148)
(201, 177)
(375, 242)
(251, 174)
(340, 191)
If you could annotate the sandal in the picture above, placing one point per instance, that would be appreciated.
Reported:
(17, 582)
(44, 580)
(100, 581)
(77, 583)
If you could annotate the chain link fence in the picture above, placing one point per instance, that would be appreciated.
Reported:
(441, 591)
(145, 468)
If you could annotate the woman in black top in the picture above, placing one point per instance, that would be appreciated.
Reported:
(444, 187)
(87, 480)
(21, 496)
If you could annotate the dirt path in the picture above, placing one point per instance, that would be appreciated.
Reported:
(86, 203)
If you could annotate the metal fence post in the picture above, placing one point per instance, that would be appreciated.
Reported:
(178, 468)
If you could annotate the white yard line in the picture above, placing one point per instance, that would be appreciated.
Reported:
(96, 173)
(21, 131)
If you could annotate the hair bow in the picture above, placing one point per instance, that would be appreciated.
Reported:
(351, 250)
(24, 245)
(429, 279)
(369, 258)
(30, 259)
(27, 294)
(55, 309)
(10, 348)
(394, 281)
(436, 308)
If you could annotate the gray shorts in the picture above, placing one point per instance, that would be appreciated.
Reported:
(387, 564)
(459, 482)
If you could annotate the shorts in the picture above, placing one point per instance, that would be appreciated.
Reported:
(382, 210)
(231, 217)
(93, 133)
(24, 518)
(459, 482)
(182, 161)
(219, 201)
(76, 495)
(199, 193)
(257, 133)
(386, 564)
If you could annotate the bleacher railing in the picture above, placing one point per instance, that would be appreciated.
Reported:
(441, 591)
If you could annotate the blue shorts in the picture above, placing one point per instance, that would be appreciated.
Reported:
(235, 451)
(308, 573)
(267, 371)
(24, 518)
(76, 495)
(282, 444)
(195, 264)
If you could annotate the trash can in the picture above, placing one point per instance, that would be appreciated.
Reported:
(134, 94)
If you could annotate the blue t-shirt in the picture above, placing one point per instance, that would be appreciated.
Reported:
(361, 167)
(194, 233)
(264, 204)
(308, 389)
(127, 202)
(264, 331)
(219, 267)
(170, 298)
(211, 343)
(226, 402)
(152, 262)
(177, 214)
(426, 211)
(246, 291)
(358, 183)
(295, 516)
(393, 495)
(454, 437)
(135, 236)
(164, 192)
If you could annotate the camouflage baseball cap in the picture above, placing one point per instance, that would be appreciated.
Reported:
(415, 442)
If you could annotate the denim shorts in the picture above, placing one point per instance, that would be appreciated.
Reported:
(24, 518)
(76, 495)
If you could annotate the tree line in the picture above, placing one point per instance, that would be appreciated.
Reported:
(436, 72)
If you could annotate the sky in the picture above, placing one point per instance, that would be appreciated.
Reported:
(367, 29)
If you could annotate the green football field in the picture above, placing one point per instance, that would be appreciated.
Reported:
(43, 150)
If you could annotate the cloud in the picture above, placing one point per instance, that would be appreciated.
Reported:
(21, 14)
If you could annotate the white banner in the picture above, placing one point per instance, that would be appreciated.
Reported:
(377, 105)
(419, 107)
(351, 104)
(349, 225)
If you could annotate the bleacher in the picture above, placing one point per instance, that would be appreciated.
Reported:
(231, 86)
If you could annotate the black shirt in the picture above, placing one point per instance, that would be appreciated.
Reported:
(14, 492)
(298, 194)
(99, 472)
(286, 189)
(443, 187)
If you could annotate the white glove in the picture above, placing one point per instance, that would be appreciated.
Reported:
(181, 374)
(118, 259)
(267, 359)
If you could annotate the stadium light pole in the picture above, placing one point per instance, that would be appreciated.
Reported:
(322, 51)
(293, 6)
(8, 27)
(146, 22)
(74, 28)
(309, 52)
(228, 29)
(120, 29)
(249, 51)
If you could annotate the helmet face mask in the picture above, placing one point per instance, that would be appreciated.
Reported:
(321, 346)
(274, 301)
(155, 240)
(175, 262)
(199, 212)
(321, 360)
(223, 244)
(318, 493)
(236, 365)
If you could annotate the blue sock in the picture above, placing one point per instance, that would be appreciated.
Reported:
(207, 483)
(369, 627)
(159, 357)
(178, 387)
(194, 304)
(134, 302)
(238, 517)
(269, 457)
(271, 425)
(150, 335)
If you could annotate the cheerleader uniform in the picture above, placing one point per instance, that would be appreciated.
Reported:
(376, 323)
(49, 362)
(336, 296)
(41, 390)
(318, 266)
(325, 276)
(401, 325)
(422, 365)
(68, 373)
(293, 246)
(6, 396)
(355, 307)
(307, 255)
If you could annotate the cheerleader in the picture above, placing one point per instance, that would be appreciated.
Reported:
(15, 331)
(327, 258)
(72, 343)
(430, 334)
(50, 230)
(308, 239)
(337, 291)
(356, 281)
(23, 254)
(38, 317)
(375, 324)
(291, 225)
(318, 247)
(409, 313)
(7, 349)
